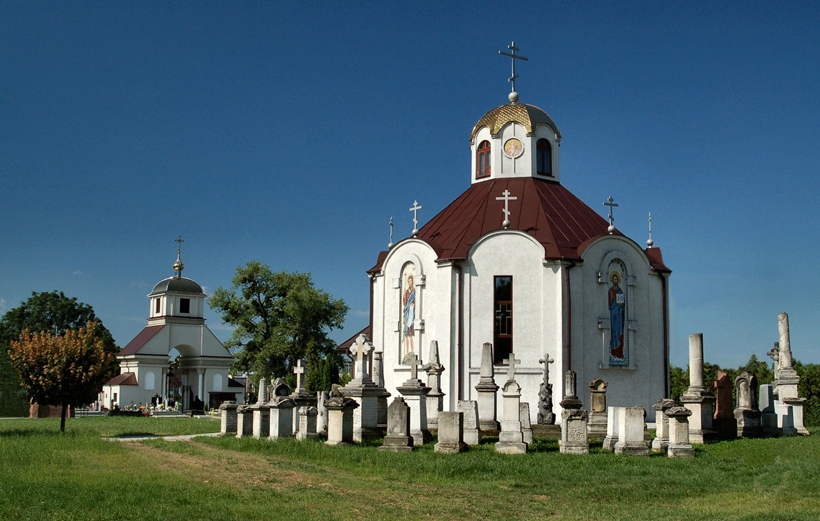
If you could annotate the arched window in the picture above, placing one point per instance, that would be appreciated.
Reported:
(544, 157)
(482, 160)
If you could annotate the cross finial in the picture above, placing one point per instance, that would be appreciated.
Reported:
(414, 366)
(361, 348)
(513, 94)
(511, 361)
(506, 198)
(650, 242)
(299, 370)
(390, 244)
(415, 209)
(611, 203)
(178, 266)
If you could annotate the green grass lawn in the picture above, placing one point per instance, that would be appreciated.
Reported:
(80, 475)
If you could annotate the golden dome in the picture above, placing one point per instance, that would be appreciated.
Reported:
(529, 116)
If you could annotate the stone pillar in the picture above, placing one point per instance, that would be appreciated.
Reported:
(262, 395)
(631, 432)
(661, 440)
(696, 398)
(228, 414)
(201, 386)
(597, 405)
(613, 420)
(469, 409)
(415, 394)
(724, 421)
(435, 398)
(786, 378)
(451, 433)
(281, 417)
(398, 437)
(307, 423)
(244, 421)
(340, 420)
(679, 446)
(511, 438)
(487, 389)
(573, 420)
(747, 415)
(526, 422)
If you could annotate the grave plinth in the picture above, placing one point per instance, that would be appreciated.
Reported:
(696, 398)
(364, 391)
(415, 395)
(307, 423)
(451, 433)
(435, 398)
(398, 437)
(340, 420)
(661, 440)
(469, 409)
(486, 390)
(281, 417)
(244, 421)
(261, 419)
(613, 420)
(573, 420)
(227, 412)
(596, 428)
(768, 416)
(631, 432)
(300, 396)
(511, 438)
(679, 444)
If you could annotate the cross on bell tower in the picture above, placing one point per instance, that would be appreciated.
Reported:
(513, 94)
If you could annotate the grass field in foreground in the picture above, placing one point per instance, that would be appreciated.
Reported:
(79, 475)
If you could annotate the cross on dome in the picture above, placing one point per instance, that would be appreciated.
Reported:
(178, 266)
(611, 203)
(513, 94)
(415, 209)
(506, 198)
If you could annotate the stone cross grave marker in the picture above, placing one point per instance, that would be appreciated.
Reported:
(512, 361)
(299, 370)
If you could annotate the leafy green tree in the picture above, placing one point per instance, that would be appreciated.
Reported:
(678, 382)
(278, 319)
(51, 312)
(64, 369)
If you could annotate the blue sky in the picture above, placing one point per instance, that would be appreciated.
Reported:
(290, 132)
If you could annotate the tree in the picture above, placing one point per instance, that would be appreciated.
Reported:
(47, 311)
(64, 369)
(278, 319)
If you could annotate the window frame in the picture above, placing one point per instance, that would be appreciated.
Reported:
(483, 159)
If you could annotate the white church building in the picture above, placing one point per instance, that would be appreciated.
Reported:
(176, 322)
(518, 261)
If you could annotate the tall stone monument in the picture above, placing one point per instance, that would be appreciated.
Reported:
(545, 414)
(486, 390)
(511, 437)
(786, 378)
(435, 398)
(697, 399)
(300, 396)
(415, 394)
(596, 428)
(573, 420)
(363, 391)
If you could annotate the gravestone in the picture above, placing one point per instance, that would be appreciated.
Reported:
(786, 378)
(526, 423)
(696, 398)
(724, 422)
(785, 419)
(363, 391)
(768, 416)
(469, 410)
(545, 414)
(573, 420)
(747, 414)
(244, 421)
(307, 423)
(613, 421)
(435, 398)
(679, 445)
(596, 428)
(281, 417)
(227, 411)
(661, 440)
(631, 432)
(339, 418)
(415, 394)
(261, 411)
(450, 433)
(300, 396)
(378, 379)
(486, 390)
(511, 438)
(321, 418)
(398, 437)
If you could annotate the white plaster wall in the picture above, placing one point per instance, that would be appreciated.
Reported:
(643, 382)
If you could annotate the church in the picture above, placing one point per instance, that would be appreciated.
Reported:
(175, 323)
(520, 262)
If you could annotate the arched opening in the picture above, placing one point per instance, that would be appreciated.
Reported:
(543, 157)
(482, 160)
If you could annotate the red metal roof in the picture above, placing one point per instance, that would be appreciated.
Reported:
(123, 379)
(140, 340)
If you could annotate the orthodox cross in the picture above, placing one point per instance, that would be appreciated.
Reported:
(511, 369)
(415, 209)
(506, 198)
(178, 266)
(299, 370)
(514, 57)
(611, 203)
(414, 367)
(649, 241)
(390, 244)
